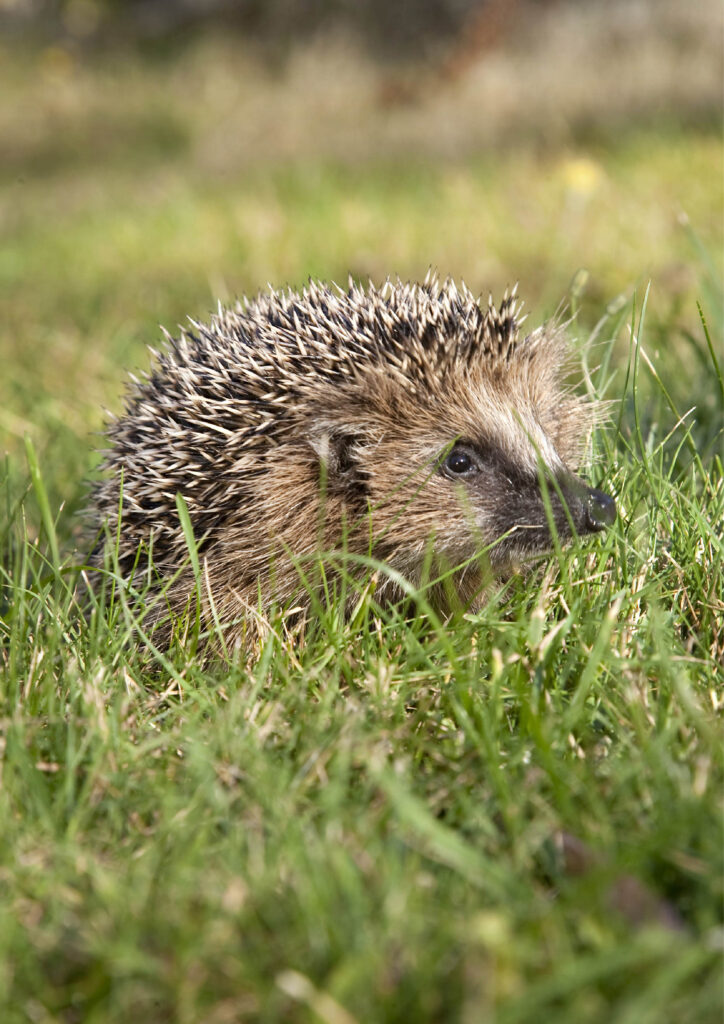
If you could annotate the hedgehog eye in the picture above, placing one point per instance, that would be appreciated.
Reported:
(459, 462)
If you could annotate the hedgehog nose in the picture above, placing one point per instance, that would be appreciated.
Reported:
(600, 510)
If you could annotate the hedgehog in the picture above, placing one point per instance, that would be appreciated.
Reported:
(410, 426)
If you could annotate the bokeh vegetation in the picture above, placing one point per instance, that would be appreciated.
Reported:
(516, 814)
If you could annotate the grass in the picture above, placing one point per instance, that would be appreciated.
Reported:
(514, 814)
(509, 815)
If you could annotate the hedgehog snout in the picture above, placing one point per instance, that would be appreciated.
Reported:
(591, 509)
(600, 510)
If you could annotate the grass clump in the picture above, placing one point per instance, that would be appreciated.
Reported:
(510, 814)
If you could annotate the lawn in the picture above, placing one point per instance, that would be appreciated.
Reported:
(505, 816)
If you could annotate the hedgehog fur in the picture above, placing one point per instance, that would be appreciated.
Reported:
(408, 423)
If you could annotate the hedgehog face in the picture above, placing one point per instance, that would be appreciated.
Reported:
(504, 503)
(495, 478)
(513, 465)
(473, 496)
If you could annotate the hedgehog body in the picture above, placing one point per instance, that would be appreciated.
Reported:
(404, 423)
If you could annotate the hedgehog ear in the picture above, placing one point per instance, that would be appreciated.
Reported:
(335, 449)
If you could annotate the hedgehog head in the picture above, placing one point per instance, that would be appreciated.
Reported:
(455, 431)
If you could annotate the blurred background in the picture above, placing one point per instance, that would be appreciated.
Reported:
(159, 155)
